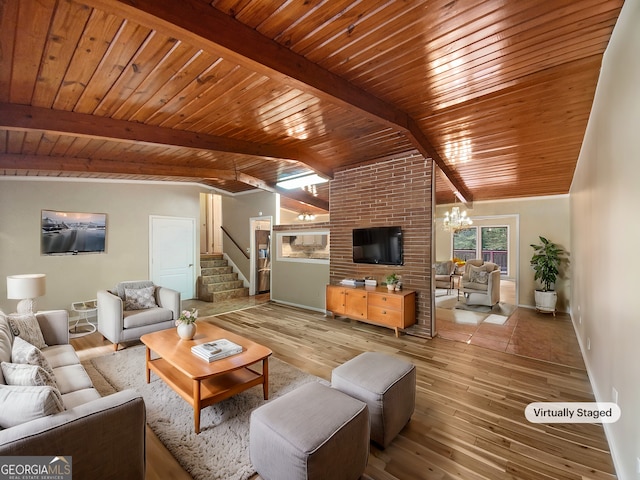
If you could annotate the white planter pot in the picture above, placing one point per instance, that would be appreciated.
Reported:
(546, 301)
(186, 331)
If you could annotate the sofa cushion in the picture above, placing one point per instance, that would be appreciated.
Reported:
(27, 327)
(61, 355)
(150, 316)
(25, 375)
(478, 287)
(139, 298)
(71, 378)
(6, 339)
(80, 397)
(23, 404)
(23, 352)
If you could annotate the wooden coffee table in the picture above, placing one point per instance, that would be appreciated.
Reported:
(203, 383)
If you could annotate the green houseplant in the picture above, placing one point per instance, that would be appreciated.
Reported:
(546, 260)
(392, 279)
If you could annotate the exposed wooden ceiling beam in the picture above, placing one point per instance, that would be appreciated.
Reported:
(86, 165)
(452, 179)
(212, 30)
(89, 165)
(304, 197)
(23, 117)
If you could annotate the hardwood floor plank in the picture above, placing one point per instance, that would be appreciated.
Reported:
(469, 419)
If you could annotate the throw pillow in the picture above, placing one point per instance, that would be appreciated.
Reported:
(24, 375)
(478, 275)
(442, 268)
(24, 352)
(26, 326)
(139, 298)
(133, 284)
(23, 404)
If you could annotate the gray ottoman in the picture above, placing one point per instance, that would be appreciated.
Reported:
(386, 384)
(313, 432)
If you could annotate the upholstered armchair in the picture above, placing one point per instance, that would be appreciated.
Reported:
(481, 283)
(443, 272)
(134, 308)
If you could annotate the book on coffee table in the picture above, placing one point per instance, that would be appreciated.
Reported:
(216, 349)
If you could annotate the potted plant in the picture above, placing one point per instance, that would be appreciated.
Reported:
(391, 279)
(546, 260)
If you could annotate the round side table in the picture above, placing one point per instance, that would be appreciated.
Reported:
(85, 309)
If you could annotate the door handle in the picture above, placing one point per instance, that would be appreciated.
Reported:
(191, 264)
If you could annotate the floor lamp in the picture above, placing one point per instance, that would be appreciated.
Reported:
(26, 288)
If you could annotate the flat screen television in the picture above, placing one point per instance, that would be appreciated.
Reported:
(379, 245)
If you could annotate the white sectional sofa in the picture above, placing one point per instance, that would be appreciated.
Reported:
(103, 436)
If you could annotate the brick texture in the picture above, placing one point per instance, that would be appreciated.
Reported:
(391, 193)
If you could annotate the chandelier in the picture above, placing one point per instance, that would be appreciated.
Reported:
(455, 220)
(307, 217)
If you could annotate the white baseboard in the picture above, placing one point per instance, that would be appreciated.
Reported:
(305, 307)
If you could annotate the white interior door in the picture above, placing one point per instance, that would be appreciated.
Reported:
(172, 253)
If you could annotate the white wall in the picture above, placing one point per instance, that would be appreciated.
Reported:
(537, 216)
(298, 283)
(236, 212)
(605, 195)
(73, 278)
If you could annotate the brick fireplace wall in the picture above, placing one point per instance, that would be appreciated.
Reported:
(390, 193)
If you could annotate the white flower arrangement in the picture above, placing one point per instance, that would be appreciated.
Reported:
(187, 317)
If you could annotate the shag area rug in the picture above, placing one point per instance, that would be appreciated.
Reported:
(221, 450)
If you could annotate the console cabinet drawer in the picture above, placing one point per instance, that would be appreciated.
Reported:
(374, 305)
(385, 301)
(385, 316)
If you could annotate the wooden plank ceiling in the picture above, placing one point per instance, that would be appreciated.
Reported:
(238, 94)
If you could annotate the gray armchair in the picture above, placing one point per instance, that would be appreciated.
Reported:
(135, 308)
(481, 283)
(443, 272)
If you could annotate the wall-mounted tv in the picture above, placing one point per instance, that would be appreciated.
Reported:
(379, 245)
(72, 233)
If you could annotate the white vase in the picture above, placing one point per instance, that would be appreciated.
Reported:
(186, 331)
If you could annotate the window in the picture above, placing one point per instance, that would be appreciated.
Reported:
(494, 242)
(465, 243)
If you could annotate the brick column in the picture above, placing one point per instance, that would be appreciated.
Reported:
(390, 193)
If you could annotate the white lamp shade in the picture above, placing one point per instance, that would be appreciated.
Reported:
(30, 285)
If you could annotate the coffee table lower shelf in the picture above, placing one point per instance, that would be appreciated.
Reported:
(201, 393)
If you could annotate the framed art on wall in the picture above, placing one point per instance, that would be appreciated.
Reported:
(72, 233)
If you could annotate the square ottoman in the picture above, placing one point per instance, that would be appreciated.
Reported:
(313, 432)
(387, 384)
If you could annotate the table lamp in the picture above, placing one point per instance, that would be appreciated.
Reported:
(26, 288)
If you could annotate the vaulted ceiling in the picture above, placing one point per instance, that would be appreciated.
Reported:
(239, 94)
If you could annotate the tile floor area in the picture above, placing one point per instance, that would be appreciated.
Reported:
(525, 332)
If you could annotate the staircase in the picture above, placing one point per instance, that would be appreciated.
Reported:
(218, 281)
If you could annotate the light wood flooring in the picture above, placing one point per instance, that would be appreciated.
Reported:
(469, 419)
